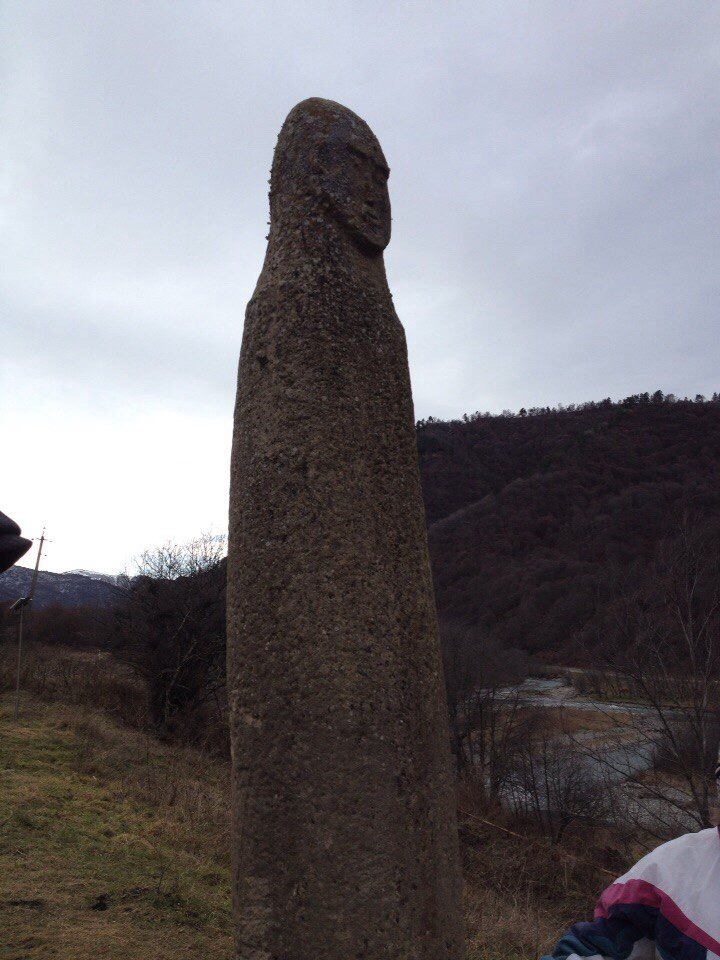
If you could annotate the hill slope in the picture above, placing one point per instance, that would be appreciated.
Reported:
(530, 515)
(114, 845)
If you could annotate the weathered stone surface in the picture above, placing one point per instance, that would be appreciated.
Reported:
(345, 841)
(12, 545)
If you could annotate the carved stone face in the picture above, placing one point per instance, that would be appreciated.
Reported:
(327, 154)
(354, 178)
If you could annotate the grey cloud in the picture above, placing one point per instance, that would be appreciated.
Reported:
(555, 188)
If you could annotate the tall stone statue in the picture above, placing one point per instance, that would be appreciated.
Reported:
(345, 840)
(12, 545)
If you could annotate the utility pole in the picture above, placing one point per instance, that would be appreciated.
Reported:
(33, 582)
(19, 607)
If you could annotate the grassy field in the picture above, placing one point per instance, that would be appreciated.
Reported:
(113, 845)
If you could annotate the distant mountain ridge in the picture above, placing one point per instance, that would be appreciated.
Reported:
(72, 589)
(114, 579)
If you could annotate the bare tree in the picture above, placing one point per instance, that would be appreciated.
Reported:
(172, 560)
(171, 628)
(552, 785)
(666, 665)
(481, 676)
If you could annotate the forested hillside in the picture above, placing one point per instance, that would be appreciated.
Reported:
(538, 520)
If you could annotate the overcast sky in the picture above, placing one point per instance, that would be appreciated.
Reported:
(555, 189)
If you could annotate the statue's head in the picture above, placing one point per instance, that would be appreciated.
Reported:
(328, 161)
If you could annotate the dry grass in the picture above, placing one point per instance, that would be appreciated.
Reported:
(601, 725)
(503, 928)
(79, 677)
(111, 845)
(522, 893)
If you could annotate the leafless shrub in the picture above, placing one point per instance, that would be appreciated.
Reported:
(484, 709)
(90, 679)
(679, 747)
(666, 665)
(552, 786)
(170, 629)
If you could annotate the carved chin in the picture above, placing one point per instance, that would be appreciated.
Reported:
(370, 238)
